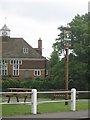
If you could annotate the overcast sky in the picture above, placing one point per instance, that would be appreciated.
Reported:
(32, 19)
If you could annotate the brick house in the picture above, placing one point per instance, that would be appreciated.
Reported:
(18, 59)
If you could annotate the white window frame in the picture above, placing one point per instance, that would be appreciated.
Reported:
(37, 72)
(25, 50)
(46, 72)
(3, 67)
(19, 62)
(15, 69)
(16, 64)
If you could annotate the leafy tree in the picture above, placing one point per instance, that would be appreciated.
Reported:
(78, 59)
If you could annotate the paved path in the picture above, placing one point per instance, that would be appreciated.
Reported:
(76, 114)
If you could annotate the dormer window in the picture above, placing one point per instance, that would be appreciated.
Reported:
(25, 50)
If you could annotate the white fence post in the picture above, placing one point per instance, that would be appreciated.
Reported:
(34, 101)
(73, 99)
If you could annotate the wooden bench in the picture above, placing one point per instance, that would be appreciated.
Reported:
(62, 95)
(57, 95)
(25, 96)
(11, 95)
(18, 95)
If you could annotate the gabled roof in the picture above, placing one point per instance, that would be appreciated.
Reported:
(13, 48)
(5, 28)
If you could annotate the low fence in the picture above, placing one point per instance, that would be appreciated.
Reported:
(34, 101)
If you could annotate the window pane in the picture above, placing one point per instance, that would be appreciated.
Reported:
(46, 72)
(25, 50)
(3, 67)
(35, 72)
(14, 72)
(17, 72)
(14, 61)
(11, 61)
(38, 72)
(16, 69)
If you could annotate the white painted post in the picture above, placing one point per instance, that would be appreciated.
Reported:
(34, 101)
(73, 99)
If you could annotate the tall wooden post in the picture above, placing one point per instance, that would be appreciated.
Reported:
(66, 84)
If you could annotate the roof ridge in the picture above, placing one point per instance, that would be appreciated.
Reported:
(5, 28)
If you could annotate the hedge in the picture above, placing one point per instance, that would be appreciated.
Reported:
(37, 83)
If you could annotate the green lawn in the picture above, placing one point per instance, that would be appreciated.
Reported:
(12, 110)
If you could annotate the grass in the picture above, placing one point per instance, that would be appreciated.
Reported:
(13, 110)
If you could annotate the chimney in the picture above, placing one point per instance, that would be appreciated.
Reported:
(40, 46)
(40, 43)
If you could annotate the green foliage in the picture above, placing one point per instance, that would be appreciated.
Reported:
(78, 59)
(9, 84)
(79, 25)
(37, 83)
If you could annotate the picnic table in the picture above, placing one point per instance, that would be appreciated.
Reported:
(18, 95)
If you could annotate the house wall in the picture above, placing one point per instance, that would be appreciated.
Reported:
(10, 69)
(31, 74)
(32, 64)
(27, 69)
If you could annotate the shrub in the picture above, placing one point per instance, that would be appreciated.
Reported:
(37, 83)
(26, 83)
(10, 83)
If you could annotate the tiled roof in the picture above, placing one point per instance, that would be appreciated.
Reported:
(13, 48)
